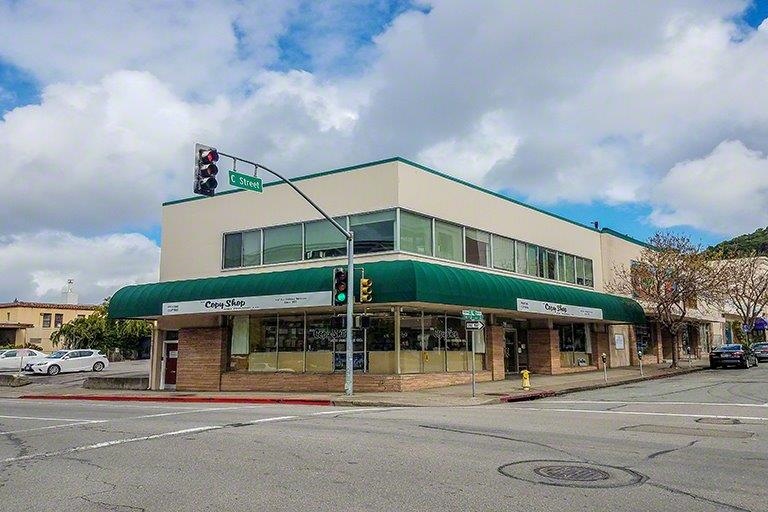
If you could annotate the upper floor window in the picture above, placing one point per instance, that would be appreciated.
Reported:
(415, 233)
(503, 253)
(478, 247)
(282, 244)
(323, 240)
(374, 232)
(58, 320)
(242, 249)
(46, 320)
(448, 241)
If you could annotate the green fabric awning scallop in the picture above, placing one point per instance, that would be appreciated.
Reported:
(393, 281)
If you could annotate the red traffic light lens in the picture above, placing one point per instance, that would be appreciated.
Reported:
(209, 156)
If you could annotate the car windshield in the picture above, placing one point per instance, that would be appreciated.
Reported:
(58, 354)
(760, 345)
(730, 348)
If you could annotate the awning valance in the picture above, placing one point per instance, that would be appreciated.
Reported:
(394, 281)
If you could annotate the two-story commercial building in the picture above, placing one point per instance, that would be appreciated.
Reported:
(244, 300)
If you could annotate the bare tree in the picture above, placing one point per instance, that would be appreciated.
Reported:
(747, 287)
(672, 276)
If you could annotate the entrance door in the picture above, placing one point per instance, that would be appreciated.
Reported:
(171, 356)
(515, 352)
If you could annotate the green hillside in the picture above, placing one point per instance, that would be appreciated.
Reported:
(742, 245)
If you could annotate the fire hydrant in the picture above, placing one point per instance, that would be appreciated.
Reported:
(526, 379)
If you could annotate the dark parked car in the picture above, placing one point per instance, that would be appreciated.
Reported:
(732, 355)
(761, 351)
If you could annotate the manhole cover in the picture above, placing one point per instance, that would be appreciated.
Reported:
(572, 473)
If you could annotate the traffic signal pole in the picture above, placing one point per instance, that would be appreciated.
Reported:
(349, 235)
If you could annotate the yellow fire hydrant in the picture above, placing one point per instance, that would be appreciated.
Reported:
(526, 378)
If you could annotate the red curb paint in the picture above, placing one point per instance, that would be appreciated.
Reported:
(183, 399)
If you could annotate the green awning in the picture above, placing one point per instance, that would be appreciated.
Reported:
(393, 281)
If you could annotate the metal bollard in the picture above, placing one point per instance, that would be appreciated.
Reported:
(526, 379)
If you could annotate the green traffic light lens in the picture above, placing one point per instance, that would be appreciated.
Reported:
(340, 297)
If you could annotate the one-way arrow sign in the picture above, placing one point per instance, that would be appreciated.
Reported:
(475, 326)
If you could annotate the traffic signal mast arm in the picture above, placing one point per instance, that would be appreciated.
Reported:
(350, 262)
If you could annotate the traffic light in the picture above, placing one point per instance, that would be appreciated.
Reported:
(340, 287)
(366, 290)
(205, 170)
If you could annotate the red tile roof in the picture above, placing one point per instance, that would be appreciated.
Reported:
(47, 305)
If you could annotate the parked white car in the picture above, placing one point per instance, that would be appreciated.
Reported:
(71, 361)
(12, 358)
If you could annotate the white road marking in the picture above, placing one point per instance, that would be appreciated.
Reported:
(193, 411)
(105, 444)
(46, 418)
(637, 413)
(608, 402)
(50, 427)
(115, 442)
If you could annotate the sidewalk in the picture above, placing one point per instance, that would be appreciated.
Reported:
(453, 396)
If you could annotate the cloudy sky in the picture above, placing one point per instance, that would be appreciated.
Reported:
(642, 114)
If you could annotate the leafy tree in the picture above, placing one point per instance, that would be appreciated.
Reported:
(97, 331)
(746, 288)
(755, 243)
(672, 276)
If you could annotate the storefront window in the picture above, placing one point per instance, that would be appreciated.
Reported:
(503, 253)
(320, 341)
(233, 250)
(415, 233)
(290, 343)
(380, 343)
(456, 345)
(263, 344)
(374, 232)
(448, 241)
(411, 336)
(323, 240)
(521, 257)
(282, 244)
(478, 247)
(434, 343)
(575, 346)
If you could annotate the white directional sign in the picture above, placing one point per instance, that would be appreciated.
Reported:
(475, 325)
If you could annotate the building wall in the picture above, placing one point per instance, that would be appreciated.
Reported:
(192, 230)
(615, 254)
(34, 316)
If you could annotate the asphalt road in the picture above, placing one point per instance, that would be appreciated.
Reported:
(693, 443)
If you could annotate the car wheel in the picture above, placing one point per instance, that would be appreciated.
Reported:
(54, 369)
(712, 366)
(98, 366)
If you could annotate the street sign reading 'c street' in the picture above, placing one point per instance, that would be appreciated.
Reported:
(244, 181)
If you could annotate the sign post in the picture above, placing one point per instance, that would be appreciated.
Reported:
(474, 322)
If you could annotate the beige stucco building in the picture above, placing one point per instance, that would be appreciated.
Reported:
(245, 302)
(33, 322)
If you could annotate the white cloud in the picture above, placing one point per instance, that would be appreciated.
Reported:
(36, 266)
(490, 142)
(725, 192)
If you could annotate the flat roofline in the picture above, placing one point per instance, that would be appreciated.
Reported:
(431, 171)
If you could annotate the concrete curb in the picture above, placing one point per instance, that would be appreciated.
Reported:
(184, 399)
(550, 393)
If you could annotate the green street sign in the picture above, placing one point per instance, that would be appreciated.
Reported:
(244, 181)
(472, 315)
